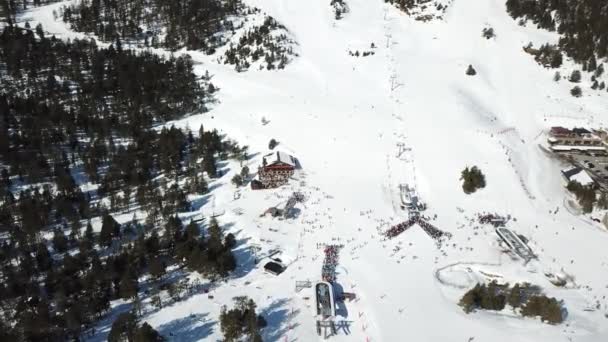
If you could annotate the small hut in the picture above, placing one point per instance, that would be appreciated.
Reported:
(274, 268)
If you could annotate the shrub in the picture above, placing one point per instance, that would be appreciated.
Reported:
(237, 180)
(575, 76)
(272, 144)
(548, 55)
(515, 297)
(494, 297)
(471, 71)
(599, 71)
(549, 309)
(473, 179)
(245, 172)
(595, 85)
(557, 76)
(488, 297)
(488, 33)
(576, 91)
(229, 241)
(585, 195)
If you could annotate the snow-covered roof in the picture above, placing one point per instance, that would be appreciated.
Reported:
(281, 157)
(577, 147)
(582, 177)
(577, 174)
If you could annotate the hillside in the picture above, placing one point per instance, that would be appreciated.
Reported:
(362, 124)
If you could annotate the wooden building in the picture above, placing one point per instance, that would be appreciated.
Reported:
(573, 137)
(275, 171)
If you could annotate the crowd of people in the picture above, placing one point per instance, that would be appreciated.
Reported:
(493, 219)
(401, 227)
(328, 272)
(431, 230)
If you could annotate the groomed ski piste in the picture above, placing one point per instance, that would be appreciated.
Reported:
(344, 119)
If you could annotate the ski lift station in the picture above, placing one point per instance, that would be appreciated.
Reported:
(326, 306)
(409, 197)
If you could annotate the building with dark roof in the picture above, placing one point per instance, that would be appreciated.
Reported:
(274, 268)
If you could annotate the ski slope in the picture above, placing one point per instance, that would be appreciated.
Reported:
(343, 117)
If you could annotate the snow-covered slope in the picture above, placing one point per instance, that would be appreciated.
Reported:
(343, 117)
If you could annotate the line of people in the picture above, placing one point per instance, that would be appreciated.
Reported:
(431, 230)
(328, 271)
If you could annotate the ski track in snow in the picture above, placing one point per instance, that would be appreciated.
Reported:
(342, 117)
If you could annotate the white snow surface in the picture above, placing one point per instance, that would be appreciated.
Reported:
(343, 118)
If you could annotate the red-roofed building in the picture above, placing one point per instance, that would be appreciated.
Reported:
(560, 136)
(275, 171)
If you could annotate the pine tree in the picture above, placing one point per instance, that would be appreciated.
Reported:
(515, 296)
(109, 229)
(74, 319)
(599, 71)
(128, 285)
(43, 258)
(215, 235)
(244, 172)
(123, 328)
(592, 65)
(595, 85)
(145, 333)
(237, 180)
(157, 267)
(89, 238)
(192, 231)
(60, 242)
(137, 307)
(209, 165)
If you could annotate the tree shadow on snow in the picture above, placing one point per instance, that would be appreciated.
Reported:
(279, 318)
(245, 260)
(222, 168)
(294, 213)
(213, 186)
(194, 327)
(253, 155)
(104, 325)
(298, 164)
(341, 309)
(197, 203)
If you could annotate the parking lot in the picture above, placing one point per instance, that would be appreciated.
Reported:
(595, 165)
